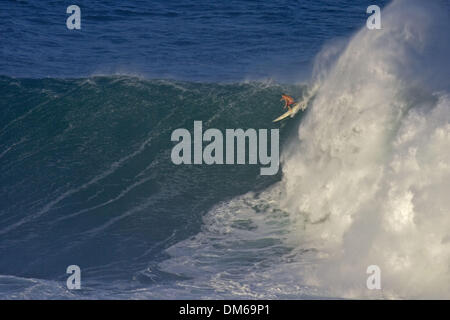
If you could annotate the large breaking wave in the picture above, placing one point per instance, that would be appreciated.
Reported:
(365, 182)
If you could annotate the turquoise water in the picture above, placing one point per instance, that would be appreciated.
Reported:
(87, 175)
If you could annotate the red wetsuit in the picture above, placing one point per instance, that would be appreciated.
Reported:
(287, 100)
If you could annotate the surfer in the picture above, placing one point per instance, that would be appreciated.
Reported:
(288, 100)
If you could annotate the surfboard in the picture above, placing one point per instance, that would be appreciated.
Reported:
(295, 108)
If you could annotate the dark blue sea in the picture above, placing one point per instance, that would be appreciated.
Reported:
(183, 40)
(86, 176)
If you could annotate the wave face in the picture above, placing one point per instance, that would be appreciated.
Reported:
(86, 176)
(86, 179)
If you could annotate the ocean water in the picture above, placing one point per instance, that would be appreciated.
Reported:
(86, 177)
(185, 40)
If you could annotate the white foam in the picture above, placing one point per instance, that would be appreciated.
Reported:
(370, 172)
